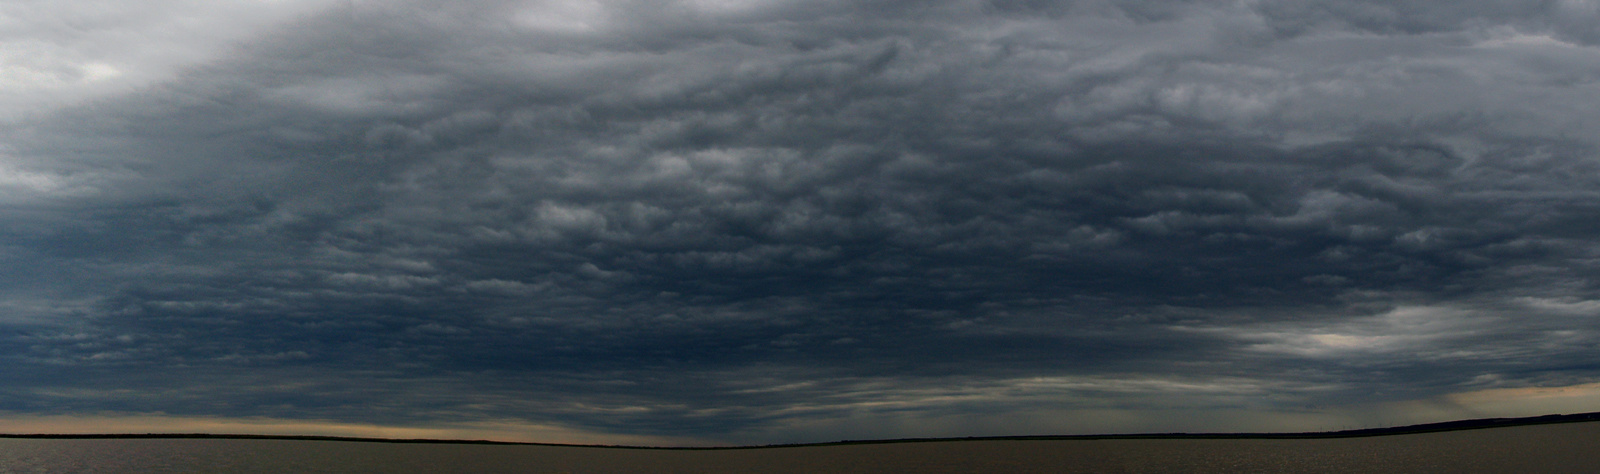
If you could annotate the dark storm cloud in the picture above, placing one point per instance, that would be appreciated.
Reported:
(715, 220)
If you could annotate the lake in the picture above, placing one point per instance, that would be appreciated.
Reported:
(1559, 448)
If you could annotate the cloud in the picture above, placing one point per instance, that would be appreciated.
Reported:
(1562, 399)
(65, 54)
(621, 211)
(157, 423)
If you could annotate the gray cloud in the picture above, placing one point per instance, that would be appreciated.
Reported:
(750, 221)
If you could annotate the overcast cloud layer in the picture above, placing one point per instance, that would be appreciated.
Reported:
(761, 221)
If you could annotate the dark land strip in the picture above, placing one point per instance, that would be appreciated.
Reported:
(1457, 425)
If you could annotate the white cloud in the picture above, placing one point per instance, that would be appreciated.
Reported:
(561, 16)
(61, 53)
(22, 184)
(1420, 331)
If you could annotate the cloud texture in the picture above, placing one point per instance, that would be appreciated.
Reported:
(798, 221)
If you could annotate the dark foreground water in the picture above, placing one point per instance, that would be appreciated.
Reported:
(1573, 447)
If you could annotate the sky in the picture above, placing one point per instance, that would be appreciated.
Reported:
(765, 221)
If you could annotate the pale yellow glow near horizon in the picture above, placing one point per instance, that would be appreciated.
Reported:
(1489, 403)
(494, 431)
(1532, 401)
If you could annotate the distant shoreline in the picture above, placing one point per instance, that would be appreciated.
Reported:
(1458, 425)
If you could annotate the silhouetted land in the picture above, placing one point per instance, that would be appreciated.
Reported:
(1458, 425)
(1548, 444)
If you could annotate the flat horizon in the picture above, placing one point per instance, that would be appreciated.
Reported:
(1552, 448)
(1435, 427)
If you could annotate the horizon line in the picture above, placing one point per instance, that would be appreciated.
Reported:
(1443, 426)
